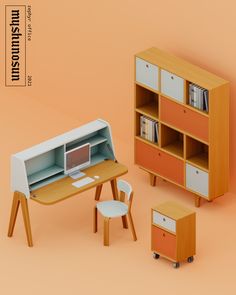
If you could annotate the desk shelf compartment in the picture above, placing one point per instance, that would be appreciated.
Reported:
(94, 140)
(46, 181)
(172, 141)
(101, 152)
(43, 174)
(45, 166)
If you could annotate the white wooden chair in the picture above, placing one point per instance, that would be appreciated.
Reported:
(113, 208)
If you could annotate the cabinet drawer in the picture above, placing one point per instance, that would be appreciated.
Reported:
(184, 118)
(163, 242)
(146, 73)
(164, 221)
(197, 180)
(172, 85)
(159, 162)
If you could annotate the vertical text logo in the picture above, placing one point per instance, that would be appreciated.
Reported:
(15, 45)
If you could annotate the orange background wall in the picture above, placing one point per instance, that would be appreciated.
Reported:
(81, 54)
(81, 60)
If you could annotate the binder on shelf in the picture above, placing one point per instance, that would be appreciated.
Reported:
(198, 97)
(205, 94)
(148, 129)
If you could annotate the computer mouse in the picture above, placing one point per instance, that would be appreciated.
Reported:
(96, 177)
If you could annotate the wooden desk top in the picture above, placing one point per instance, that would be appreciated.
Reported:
(63, 188)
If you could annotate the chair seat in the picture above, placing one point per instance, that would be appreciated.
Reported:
(112, 208)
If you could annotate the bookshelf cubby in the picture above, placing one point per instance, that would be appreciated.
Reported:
(172, 141)
(197, 153)
(193, 146)
(146, 102)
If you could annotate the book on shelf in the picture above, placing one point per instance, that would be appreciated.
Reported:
(198, 97)
(148, 129)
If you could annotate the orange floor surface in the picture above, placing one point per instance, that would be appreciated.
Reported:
(68, 258)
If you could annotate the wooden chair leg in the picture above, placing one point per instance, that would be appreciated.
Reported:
(124, 221)
(114, 189)
(25, 213)
(132, 226)
(98, 192)
(197, 201)
(95, 220)
(14, 211)
(106, 231)
(152, 179)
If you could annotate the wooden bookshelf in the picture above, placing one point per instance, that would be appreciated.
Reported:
(193, 139)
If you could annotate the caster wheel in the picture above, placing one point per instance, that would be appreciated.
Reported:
(176, 264)
(155, 255)
(190, 259)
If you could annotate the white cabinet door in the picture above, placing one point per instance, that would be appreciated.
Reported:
(164, 221)
(172, 85)
(197, 180)
(146, 73)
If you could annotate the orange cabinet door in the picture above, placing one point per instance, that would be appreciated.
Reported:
(183, 118)
(159, 162)
(163, 242)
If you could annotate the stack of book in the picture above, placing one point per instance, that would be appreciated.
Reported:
(198, 97)
(148, 129)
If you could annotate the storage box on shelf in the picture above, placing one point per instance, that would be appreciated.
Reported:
(191, 107)
(173, 232)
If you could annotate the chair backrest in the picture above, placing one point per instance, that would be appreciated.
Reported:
(125, 187)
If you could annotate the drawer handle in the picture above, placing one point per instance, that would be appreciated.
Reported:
(159, 154)
(172, 77)
(164, 219)
(197, 172)
(163, 234)
(147, 66)
(184, 111)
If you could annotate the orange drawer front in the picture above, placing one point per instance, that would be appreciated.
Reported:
(184, 118)
(163, 243)
(159, 162)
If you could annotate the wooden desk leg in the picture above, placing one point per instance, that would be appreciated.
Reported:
(25, 213)
(98, 192)
(14, 211)
(19, 198)
(114, 189)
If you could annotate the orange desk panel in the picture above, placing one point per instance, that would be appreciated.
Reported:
(159, 162)
(183, 118)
